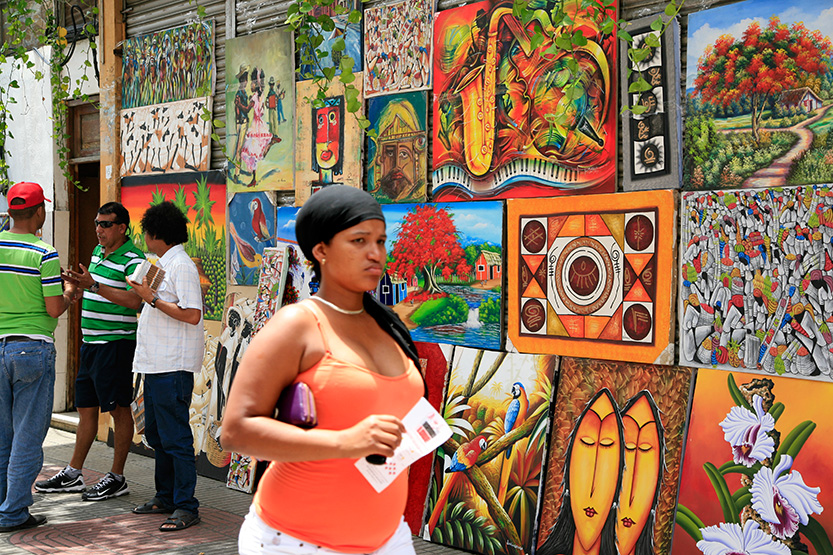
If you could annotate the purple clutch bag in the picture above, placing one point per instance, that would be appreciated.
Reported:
(296, 406)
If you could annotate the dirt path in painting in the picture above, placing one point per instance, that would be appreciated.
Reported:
(775, 175)
(404, 311)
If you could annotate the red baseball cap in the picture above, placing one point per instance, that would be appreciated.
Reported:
(31, 193)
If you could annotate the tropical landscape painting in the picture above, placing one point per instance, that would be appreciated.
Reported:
(759, 87)
(202, 198)
(488, 476)
(444, 272)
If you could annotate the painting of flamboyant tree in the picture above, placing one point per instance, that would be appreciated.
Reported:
(758, 93)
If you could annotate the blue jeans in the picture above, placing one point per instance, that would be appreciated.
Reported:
(167, 430)
(27, 379)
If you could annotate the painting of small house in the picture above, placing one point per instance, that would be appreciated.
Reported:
(803, 98)
(391, 290)
(487, 266)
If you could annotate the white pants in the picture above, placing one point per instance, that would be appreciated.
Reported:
(258, 538)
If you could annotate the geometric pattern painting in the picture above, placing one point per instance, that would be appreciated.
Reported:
(489, 476)
(163, 138)
(507, 123)
(175, 64)
(756, 280)
(757, 471)
(271, 284)
(594, 273)
(614, 458)
(397, 47)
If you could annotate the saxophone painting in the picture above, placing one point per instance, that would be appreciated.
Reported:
(505, 124)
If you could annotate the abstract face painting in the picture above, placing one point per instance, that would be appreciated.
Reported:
(328, 135)
(397, 157)
(642, 474)
(615, 456)
(595, 457)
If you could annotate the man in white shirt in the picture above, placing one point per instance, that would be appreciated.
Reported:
(169, 350)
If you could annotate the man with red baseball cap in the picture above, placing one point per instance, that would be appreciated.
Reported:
(33, 298)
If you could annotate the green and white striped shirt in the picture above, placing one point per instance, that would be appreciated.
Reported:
(103, 320)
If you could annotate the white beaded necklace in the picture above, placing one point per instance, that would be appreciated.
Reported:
(338, 308)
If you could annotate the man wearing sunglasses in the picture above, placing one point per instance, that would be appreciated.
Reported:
(105, 378)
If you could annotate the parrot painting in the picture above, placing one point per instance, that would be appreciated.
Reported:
(259, 225)
(463, 458)
(248, 256)
(466, 455)
(516, 413)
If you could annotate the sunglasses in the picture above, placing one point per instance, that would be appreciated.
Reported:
(105, 224)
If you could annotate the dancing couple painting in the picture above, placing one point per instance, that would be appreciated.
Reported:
(260, 145)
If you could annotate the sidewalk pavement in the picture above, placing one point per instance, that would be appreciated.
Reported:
(109, 527)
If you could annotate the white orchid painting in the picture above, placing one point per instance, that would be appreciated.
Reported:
(767, 505)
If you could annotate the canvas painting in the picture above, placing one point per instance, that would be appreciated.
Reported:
(615, 457)
(166, 138)
(397, 156)
(507, 122)
(756, 280)
(434, 359)
(329, 141)
(652, 139)
(444, 276)
(593, 275)
(300, 279)
(202, 198)
(351, 33)
(230, 346)
(397, 47)
(252, 221)
(758, 95)
(488, 476)
(260, 103)
(756, 475)
(171, 65)
(271, 284)
(241, 472)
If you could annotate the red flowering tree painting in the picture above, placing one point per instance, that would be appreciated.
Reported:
(761, 64)
(429, 245)
(445, 271)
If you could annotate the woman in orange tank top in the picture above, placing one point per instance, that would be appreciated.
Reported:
(359, 361)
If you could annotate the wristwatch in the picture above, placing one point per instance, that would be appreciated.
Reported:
(153, 301)
(94, 287)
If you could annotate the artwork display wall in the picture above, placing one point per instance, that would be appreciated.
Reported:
(260, 103)
(756, 475)
(504, 126)
(329, 141)
(252, 220)
(397, 156)
(652, 140)
(446, 285)
(756, 280)
(593, 274)
(202, 198)
(167, 66)
(397, 47)
(488, 476)
(166, 138)
(614, 458)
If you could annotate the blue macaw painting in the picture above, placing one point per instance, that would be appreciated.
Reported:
(251, 229)
(498, 406)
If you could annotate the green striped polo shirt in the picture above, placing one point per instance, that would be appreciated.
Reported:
(103, 320)
(29, 271)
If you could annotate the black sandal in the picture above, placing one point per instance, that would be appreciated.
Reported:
(152, 507)
(180, 519)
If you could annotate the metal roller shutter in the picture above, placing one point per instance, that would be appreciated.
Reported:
(148, 16)
(255, 16)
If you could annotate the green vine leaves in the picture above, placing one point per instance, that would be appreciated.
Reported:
(37, 20)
